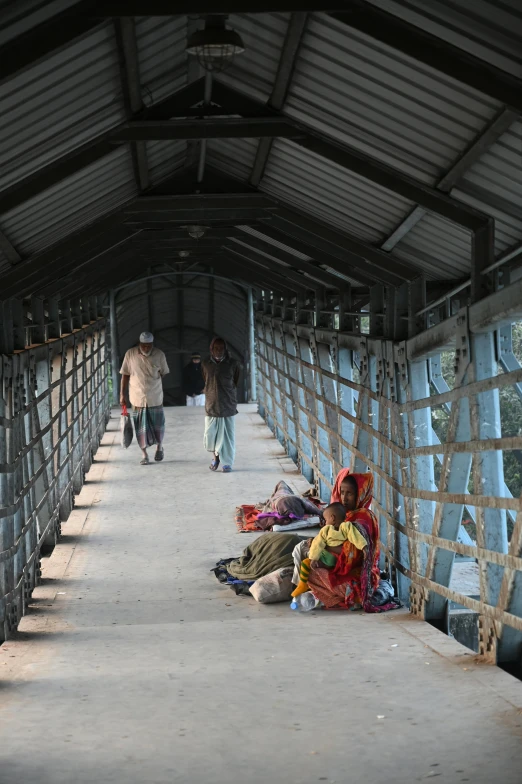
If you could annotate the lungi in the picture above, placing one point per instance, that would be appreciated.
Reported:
(149, 425)
(220, 438)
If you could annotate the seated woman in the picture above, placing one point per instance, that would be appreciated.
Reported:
(332, 535)
(355, 575)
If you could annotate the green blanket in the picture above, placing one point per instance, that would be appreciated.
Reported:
(268, 553)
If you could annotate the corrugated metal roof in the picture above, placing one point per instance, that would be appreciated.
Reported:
(287, 249)
(254, 71)
(59, 104)
(275, 243)
(368, 95)
(233, 156)
(494, 185)
(19, 16)
(161, 44)
(75, 202)
(332, 193)
(488, 29)
(165, 158)
(437, 247)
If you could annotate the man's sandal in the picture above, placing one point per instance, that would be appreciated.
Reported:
(158, 457)
(144, 461)
(226, 469)
(215, 463)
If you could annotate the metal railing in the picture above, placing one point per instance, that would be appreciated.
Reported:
(329, 412)
(54, 407)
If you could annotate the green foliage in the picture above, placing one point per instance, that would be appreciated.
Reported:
(510, 416)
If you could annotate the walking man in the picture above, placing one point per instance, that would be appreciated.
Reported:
(141, 375)
(193, 382)
(221, 374)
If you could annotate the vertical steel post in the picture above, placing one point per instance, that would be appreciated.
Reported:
(252, 347)
(115, 362)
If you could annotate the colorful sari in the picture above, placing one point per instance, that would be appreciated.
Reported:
(356, 574)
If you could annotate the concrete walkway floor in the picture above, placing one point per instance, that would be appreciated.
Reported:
(136, 667)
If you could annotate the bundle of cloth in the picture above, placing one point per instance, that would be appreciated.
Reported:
(284, 508)
(267, 555)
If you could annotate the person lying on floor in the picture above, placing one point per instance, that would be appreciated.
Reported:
(334, 533)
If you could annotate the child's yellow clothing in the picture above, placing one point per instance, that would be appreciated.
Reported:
(328, 535)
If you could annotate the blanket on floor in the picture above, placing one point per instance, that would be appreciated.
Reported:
(265, 555)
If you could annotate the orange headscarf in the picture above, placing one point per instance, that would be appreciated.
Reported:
(336, 492)
(364, 484)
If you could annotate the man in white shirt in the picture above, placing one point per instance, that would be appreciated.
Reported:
(141, 375)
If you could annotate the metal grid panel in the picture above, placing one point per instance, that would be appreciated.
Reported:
(367, 95)
(233, 156)
(19, 16)
(161, 50)
(164, 158)
(332, 193)
(74, 202)
(437, 247)
(254, 71)
(373, 412)
(61, 103)
(54, 407)
(487, 29)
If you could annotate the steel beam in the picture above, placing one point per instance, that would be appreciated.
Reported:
(287, 60)
(434, 52)
(273, 271)
(164, 8)
(131, 87)
(232, 215)
(371, 261)
(88, 153)
(251, 256)
(254, 275)
(43, 40)
(325, 277)
(486, 138)
(201, 203)
(208, 128)
(8, 250)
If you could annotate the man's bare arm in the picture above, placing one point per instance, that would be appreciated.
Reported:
(123, 390)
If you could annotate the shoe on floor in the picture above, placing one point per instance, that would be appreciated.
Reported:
(226, 469)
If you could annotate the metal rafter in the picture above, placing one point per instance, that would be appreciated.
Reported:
(252, 257)
(8, 249)
(435, 52)
(264, 247)
(208, 128)
(89, 153)
(491, 133)
(373, 261)
(254, 275)
(289, 53)
(131, 87)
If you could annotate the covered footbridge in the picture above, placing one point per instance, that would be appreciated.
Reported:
(337, 192)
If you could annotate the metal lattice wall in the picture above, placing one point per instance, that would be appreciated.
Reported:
(336, 399)
(54, 407)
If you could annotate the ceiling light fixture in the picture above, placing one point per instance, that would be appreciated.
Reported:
(215, 46)
(196, 232)
(183, 254)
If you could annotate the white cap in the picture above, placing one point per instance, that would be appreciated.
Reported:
(146, 337)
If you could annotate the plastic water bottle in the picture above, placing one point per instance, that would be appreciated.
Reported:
(305, 602)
